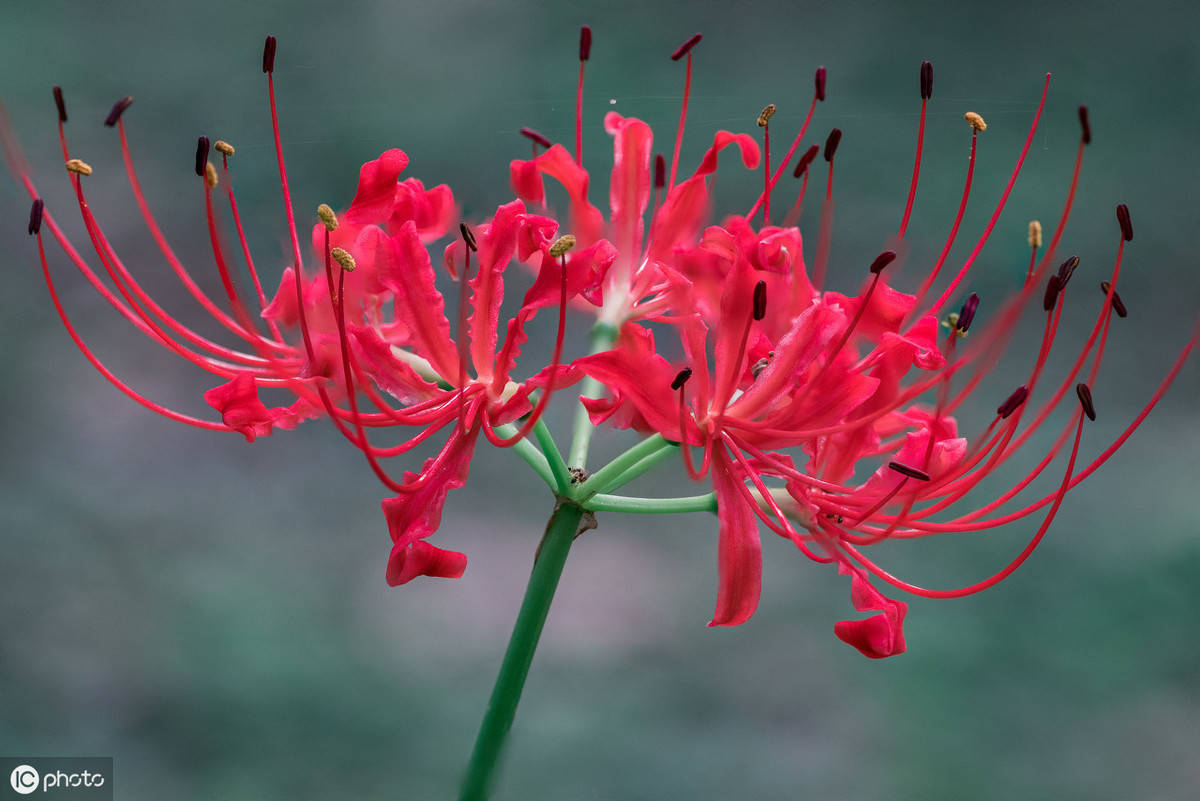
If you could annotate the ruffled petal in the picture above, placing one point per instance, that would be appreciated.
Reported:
(416, 512)
(878, 636)
(636, 374)
(240, 408)
(419, 558)
(377, 188)
(586, 221)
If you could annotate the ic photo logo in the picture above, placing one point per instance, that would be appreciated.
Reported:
(24, 779)
(57, 778)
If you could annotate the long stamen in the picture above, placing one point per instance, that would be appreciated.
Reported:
(684, 49)
(825, 232)
(764, 122)
(226, 150)
(469, 247)
(585, 51)
(926, 93)
(819, 95)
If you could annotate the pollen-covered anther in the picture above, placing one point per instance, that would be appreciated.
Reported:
(78, 167)
(468, 237)
(223, 147)
(1035, 234)
(911, 472)
(1085, 400)
(765, 115)
(327, 217)
(117, 110)
(760, 300)
(1117, 304)
(1126, 223)
(967, 315)
(1012, 402)
(681, 378)
(882, 260)
(210, 175)
(975, 121)
(562, 245)
(1066, 270)
(35, 217)
(344, 259)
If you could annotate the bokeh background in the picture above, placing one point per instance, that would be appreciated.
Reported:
(214, 615)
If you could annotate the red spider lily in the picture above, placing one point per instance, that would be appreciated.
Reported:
(371, 323)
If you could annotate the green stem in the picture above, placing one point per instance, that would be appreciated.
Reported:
(664, 506)
(605, 477)
(502, 707)
(603, 337)
(530, 453)
(558, 467)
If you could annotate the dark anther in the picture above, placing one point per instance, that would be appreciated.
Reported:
(1052, 287)
(819, 80)
(585, 42)
(1117, 304)
(682, 378)
(660, 171)
(269, 54)
(1012, 402)
(911, 472)
(831, 144)
(1066, 270)
(882, 260)
(59, 104)
(1085, 400)
(468, 236)
(537, 138)
(760, 300)
(117, 110)
(805, 160)
(686, 47)
(35, 217)
(926, 80)
(968, 313)
(1126, 223)
(201, 155)
(1085, 125)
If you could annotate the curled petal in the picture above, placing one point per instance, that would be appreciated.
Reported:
(416, 512)
(377, 188)
(419, 558)
(586, 221)
(880, 635)
(240, 409)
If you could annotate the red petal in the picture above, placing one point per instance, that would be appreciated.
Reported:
(739, 556)
(586, 222)
(636, 374)
(419, 558)
(240, 409)
(416, 512)
(629, 188)
(878, 636)
(389, 373)
(377, 188)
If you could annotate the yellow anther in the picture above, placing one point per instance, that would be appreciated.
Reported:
(328, 218)
(210, 175)
(1035, 234)
(766, 114)
(223, 147)
(562, 245)
(79, 167)
(343, 258)
(975, 121)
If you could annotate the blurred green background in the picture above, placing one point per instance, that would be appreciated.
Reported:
(214, 615)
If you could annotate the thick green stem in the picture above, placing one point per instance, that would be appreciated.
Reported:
(653, 506)
(603, 337)
(502, 707)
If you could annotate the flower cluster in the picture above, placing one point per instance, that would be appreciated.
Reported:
(785, 392)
